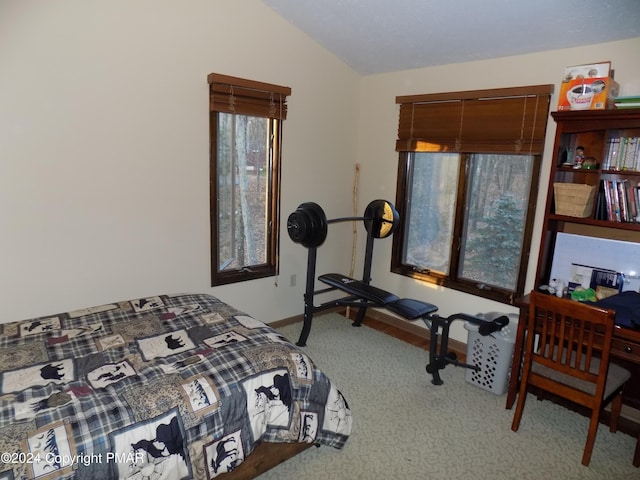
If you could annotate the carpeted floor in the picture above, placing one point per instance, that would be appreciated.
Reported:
(406, 428)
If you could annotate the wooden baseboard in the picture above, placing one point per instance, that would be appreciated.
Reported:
(398, 327)
(423, 333)
(299, 318)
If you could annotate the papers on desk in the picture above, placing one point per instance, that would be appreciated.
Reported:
(604, 282)
(611, 255)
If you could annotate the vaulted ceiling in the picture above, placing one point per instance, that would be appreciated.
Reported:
(377, 36)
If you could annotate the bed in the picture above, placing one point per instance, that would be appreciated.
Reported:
(170, 386)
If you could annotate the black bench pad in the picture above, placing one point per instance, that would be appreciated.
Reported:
(411, 309)
(358, 288)
(405, 307)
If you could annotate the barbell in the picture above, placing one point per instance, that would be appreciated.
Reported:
(307, 225)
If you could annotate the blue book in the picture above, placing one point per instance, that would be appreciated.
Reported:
(606, 282)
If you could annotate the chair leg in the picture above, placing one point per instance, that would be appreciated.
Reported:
(591, 437)
(517, 415)
(636, 455)
(616, 407)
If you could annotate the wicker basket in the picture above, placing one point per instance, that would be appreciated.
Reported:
(573, 199)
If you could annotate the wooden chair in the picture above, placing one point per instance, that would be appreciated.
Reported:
(571, 359)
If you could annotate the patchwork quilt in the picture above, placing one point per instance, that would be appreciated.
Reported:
(166, 387)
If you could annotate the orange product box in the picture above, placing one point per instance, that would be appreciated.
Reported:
(588, 87)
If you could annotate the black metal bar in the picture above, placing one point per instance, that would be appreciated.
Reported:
(366, 276)
(434, 365)
(347, 219)
(308, 297)
(368, 255)
(344, 219)
(439, 357)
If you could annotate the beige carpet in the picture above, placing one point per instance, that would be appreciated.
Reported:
(407, 428)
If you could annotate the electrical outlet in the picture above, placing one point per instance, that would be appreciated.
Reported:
(292, 280)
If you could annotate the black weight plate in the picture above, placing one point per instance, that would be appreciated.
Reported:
(318, 232)
(308, 225)
(298, 225)
(381, 218)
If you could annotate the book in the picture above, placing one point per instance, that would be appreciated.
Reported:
(627, 105)
(606, 188)
(606, 282)
(612, 162)
(601, 204)
(629, 153)
(600, 279)
(631, 202)
(580, 277)
(622, 200)
(622, 153)
(629, 101)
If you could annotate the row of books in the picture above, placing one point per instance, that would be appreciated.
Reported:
(618, 201)
(623, 153)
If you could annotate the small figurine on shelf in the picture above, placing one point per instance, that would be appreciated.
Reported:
(556, 287)
(579, 157)
(565, 158)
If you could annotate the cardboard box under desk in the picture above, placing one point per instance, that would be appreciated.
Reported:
(595, 93)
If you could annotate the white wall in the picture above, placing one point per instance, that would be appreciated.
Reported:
(378, 129)
(104, 191)
(104, 147)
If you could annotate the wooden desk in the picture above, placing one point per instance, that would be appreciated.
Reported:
(625, 351)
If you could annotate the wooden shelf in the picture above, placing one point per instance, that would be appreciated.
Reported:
(591, 129)
(596, 223)
(594, 120)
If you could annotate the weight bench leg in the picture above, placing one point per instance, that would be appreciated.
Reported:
(306, 328)
(436, 362)
(360, 317)
(439, 356)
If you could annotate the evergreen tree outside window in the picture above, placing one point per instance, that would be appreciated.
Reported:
(468, 177)
(493, 235)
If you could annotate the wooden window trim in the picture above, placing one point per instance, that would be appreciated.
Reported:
(234, 95)
(456, 122)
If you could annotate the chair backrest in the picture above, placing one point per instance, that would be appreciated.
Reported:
(574, 339)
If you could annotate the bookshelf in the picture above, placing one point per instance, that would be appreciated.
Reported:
(597, 132)
(594, 239)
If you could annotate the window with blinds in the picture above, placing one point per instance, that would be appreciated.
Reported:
(468, 173)
(509, 120)
(246, 119)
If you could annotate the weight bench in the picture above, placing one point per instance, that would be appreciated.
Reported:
(364, 295)
(308, 226)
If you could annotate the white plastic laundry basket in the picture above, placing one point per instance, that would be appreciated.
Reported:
(492, 353)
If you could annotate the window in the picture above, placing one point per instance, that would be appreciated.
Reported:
(245, 134)
(468, 174)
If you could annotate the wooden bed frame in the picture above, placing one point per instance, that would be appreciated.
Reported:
(264, 457)
(267, 455)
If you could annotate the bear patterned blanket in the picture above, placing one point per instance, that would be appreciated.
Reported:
(166, 387)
